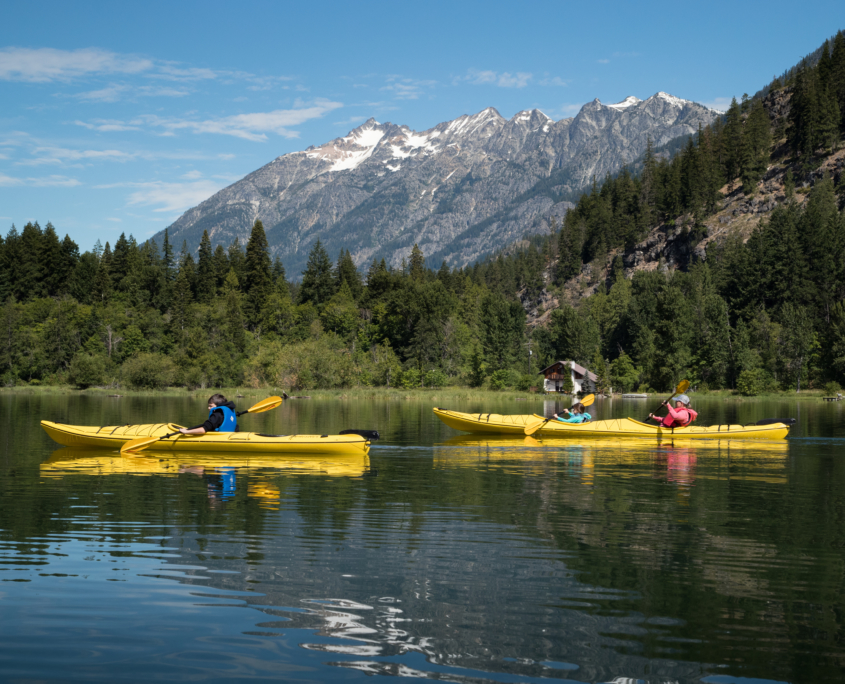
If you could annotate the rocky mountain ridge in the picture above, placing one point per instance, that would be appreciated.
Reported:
(460, 190)
(668, 246)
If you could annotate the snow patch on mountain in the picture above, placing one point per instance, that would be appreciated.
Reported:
(627, 102)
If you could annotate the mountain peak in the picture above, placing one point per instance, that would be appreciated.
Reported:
(671, 99)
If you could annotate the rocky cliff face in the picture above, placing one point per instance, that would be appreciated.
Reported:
(460, 190)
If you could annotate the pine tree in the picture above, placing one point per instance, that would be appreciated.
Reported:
(237, 261)
(167, 261)
(70, 257)
(30, 280)
(52, 260)
(181, 299)
(347, 273)
(120, 261)
(417, 264)
(259, 279)
(102, 286)
(220, 267)
(234, 311)
(733, 140)
(569, 248)
(206, 279)
(318, 282)
(186, 265)
(279, 270)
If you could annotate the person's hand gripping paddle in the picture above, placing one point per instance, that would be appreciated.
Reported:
(682, 387)
(134, 445)
(531, 428)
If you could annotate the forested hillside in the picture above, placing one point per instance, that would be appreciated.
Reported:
(649, 278)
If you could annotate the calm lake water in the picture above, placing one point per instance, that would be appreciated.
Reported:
(440, 557)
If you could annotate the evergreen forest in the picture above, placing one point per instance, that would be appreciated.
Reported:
(764, 312)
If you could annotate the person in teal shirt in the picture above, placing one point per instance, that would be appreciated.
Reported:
(577, 414)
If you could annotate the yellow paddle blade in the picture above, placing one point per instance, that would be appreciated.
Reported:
(588, 400)
(138, 444)
(531, 428)
(265, 405)
(682, 387)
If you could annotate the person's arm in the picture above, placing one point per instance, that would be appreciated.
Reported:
(676, 414)
(215, 420)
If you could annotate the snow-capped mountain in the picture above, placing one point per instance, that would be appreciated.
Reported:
(460, 190)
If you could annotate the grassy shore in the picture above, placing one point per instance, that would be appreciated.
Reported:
(442, 394)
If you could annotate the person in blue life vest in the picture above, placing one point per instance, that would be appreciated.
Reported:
(221, 417)
(577, 414)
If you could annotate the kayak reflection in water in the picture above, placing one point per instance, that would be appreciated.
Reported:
(680, 416)
(577, 414)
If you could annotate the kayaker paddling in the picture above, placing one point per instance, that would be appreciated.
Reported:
(680, 416)
(576, 414)
(221, 417)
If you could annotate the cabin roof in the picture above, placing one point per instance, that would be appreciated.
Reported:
(574, 366)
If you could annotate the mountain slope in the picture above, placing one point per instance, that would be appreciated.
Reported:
(460, 190)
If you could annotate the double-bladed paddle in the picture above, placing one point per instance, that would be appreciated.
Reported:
(682, 387)
(531, 428)
(264, 405)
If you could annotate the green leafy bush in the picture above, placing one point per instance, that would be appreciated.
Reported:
(832, 387)
(435, 378)
(148, 371)
(753, 382)
(500, 380)
(86, 370)
(410, 378)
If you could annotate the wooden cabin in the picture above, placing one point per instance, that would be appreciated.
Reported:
(583, 381)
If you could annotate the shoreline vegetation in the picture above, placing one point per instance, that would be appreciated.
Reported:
(760, 314)
(247, 394)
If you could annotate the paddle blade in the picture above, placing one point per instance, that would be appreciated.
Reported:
(588, 400)
(138, 444)
(682, 387)
(531, 428)
(265, 405)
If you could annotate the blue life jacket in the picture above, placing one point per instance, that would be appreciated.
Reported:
(230, 420)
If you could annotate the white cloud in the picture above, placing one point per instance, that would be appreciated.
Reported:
(60, 155)
(192, 175)
(504, 79)
(43, 182)
(40, 65)
(351, 121)
(568, 110)
(553, 81)
(253, 126)
(109, 125)
(115, 92)
(169, 197)
(603, 61)
(720, 104)
(115, 220)
(407, 88)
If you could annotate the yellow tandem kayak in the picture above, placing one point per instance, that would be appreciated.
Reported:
(618, 427)
(114, 436)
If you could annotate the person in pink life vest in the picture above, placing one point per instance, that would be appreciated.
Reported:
(680, 416)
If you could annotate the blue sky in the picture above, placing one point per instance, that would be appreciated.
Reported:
(118, 116)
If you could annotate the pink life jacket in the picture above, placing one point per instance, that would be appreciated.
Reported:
(669, 421)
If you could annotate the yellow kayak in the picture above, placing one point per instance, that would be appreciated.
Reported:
(114, 436)
(619, 427)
